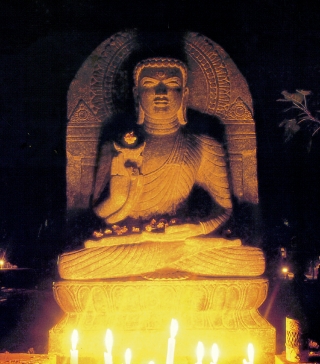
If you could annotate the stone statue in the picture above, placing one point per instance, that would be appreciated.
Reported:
(163, 185)
(149, 187)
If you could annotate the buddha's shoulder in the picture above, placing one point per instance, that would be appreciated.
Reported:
(205, 144)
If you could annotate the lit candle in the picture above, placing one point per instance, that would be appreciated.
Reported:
(250, 354)
(214, 353)
(172, 341)
(127, 356)
(200, 352)
(109, 344)
(74, 351)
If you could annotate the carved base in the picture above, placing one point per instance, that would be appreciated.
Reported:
(139, 314)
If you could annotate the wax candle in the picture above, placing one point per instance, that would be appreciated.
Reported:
(109, 344)
(172, 341)
(214, 353)
(200, 352)
(250, 354)
(74, 351)
(127, 356)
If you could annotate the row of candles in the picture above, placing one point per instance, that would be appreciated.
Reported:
(170, 352)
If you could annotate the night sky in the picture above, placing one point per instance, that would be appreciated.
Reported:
(275, 45)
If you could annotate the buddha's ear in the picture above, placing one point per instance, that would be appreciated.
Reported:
(135, 93)
(182, 112)
(186, 94)
(139, 111)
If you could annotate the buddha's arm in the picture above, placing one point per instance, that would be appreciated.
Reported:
(213, 177)
(119, 187)
(125, 182)
(134, 191)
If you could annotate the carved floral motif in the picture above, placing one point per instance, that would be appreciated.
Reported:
(239, 111)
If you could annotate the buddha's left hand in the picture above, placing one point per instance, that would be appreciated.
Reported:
(183, 231)
(172, 233)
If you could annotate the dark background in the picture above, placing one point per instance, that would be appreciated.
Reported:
(275, 44)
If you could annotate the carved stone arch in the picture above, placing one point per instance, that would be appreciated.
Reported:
(216, 88)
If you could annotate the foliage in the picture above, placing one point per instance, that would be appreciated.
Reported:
(302, 116)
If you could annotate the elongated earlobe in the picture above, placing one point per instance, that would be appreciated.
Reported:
(182, 112)
(140, 116)
(139, 110)
(181, 116)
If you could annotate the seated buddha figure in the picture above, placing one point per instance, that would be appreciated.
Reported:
(150, 185)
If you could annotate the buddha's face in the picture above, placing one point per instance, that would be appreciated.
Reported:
(160, 91)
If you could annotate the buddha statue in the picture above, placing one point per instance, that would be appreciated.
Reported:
(147, 232)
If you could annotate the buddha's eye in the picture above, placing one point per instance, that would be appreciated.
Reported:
(173, 82)
(148, 82)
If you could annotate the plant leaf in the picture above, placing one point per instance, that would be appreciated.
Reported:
(291, 127)
(304, 92)
(294, 97)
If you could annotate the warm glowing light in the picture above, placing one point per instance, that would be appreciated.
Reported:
(74, 339)
(200, 352)
(74, 351)
(285, 270)
(250, 354)
(172, 342)
(214, 353)
(174, 328)
(127, 356)
(1, 263)
(151, 362)
(109, 341)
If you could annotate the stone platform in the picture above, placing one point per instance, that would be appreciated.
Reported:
(22, 358)
(139, 313)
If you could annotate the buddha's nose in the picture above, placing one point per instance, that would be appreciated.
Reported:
(161, 89)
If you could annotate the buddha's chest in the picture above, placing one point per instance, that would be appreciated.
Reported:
(156, 153)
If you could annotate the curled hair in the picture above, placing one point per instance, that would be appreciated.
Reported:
(160, 62)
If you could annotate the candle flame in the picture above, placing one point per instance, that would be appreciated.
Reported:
(250, 353)
(200, 352)
(127, 356)
(215, 353)
(173, 328)
(74, 339)
(109, 341)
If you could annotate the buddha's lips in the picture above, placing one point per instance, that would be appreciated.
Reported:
(161, 101)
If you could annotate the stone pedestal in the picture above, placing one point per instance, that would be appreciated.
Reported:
(139, 313)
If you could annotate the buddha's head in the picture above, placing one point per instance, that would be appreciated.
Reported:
(160, 90)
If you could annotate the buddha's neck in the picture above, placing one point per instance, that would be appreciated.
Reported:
(161, 127)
